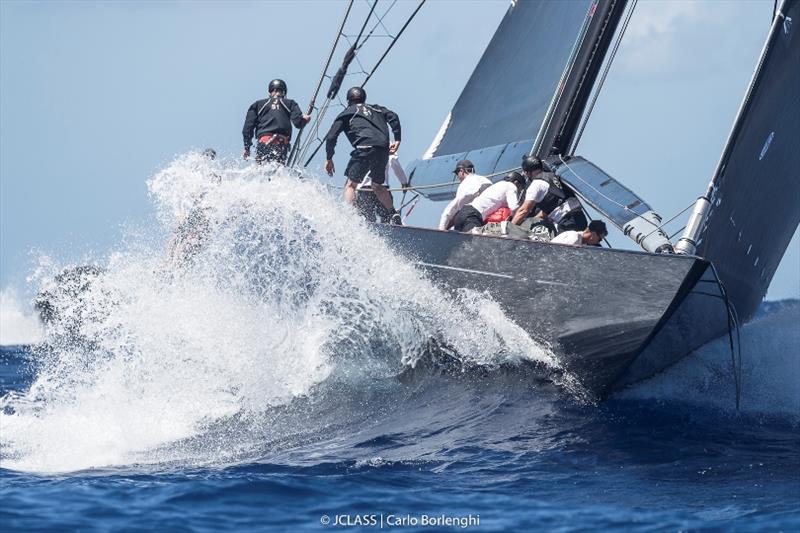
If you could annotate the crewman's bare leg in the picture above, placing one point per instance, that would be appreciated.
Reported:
(384, 196)
(350, 192)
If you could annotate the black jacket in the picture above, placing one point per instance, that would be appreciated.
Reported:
(364, 125)
(271, 115)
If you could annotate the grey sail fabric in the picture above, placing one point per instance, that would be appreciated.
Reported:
(621, 206)
(508, 94)
(755, 202)
(501, 109)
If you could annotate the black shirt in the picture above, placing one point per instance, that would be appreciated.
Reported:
(271, 115)
(364, 125)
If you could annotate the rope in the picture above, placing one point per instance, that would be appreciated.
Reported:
(432, 186)
(733, 325)
(393, 42)
(682, 211)
(599, 87)
(294, 153)
(595, 189)
(625, 207)
(323, 110)
(357, 47)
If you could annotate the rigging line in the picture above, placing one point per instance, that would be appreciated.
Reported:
(440, 185)
(626, 208)
(603, 77)
(733, 325)
(343, 70)
(404, 205)
(598, 191)
(670, 220)
(676, 233)
(293, 154)
(369, 16)
(408, 214)
(393, 42)
(320, 115)
(351, 53)
(379, 23)
(375, 68)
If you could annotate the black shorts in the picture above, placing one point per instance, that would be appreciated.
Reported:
(372, 160)
(467, 218)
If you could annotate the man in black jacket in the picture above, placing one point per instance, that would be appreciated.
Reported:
(271, 121)
(365, 126)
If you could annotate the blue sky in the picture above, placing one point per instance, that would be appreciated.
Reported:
(95, 97)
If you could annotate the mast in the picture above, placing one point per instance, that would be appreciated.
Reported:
(563, 116)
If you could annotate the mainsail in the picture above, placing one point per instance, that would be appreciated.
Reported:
(508, 101)
(755, 196)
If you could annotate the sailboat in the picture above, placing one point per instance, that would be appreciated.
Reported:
(613, 317)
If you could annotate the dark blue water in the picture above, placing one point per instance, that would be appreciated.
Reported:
(500, 450)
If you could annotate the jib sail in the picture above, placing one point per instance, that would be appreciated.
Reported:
(504, 103)
(755, 194)
(538, 51)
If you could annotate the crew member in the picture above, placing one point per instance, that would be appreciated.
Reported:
(271, 121)
(367, 201)
(367, 128)
(556, 204)
(504, 193)
(470, 186)
(592, 235)
(194, 223)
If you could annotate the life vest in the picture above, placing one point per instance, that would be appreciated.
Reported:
(498, 215)
(556, 193)
(275, 103)
(373, 116)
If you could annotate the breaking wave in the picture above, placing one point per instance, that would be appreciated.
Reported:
(275, 326)
(270, 294)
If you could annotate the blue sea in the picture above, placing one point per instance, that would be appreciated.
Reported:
(283, 378)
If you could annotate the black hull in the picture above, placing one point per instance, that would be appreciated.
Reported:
(613, 317)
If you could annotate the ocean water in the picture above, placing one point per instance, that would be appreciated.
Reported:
(294, 374)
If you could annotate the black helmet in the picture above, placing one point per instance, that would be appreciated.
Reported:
(277, 85)
(531, 163)
(516, 177)
(356, 95)
(464, 164)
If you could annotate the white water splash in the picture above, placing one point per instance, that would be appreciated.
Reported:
(18, 324)
(770, 370)
(286, 288)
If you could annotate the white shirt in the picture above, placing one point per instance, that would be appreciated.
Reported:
(392, 167)
(569, 237)
(470, 187)
(501, 194)
(536, 191)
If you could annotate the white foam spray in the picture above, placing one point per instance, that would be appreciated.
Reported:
(770, 370)
(271, 287)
